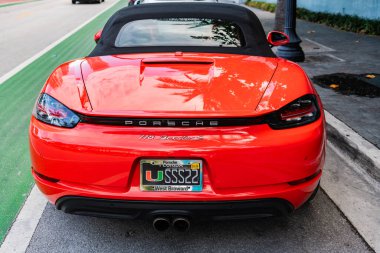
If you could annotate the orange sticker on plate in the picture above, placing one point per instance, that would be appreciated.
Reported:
(195, 166)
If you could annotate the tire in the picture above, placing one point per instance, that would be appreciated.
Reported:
(73, 1)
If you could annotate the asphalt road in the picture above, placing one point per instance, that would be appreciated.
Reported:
(318, 227)
(28, 28)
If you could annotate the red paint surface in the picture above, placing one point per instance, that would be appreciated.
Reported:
(245, 162)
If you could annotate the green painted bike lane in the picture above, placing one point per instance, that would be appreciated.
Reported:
(17, 97)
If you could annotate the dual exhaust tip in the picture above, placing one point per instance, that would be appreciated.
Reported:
(180, 224)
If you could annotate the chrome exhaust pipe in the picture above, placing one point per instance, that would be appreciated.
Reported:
(161, 224)
(181, 224)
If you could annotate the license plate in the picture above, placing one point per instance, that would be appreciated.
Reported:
(171, 175)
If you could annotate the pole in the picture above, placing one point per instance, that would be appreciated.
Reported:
(291, 51)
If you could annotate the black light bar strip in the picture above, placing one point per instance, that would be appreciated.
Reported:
(173, 122)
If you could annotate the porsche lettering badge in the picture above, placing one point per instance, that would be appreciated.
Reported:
(172, 123)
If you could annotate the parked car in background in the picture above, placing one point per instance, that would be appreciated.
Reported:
(87, 1)
(230, 1)
(173, 1)
(136, 2)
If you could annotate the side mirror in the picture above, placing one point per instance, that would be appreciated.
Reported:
(97, 36)
(276, 38)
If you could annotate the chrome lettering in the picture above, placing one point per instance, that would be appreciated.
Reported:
(176, 179)
(188, 176)
(181, 177)
(167, 177)
(194, 180)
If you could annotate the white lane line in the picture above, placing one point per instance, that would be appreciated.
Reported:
(22, 230)
(336, 58)
(326, 48)
(48, 48)
(354, 139)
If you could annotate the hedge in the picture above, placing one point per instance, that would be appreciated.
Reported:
(339, 21)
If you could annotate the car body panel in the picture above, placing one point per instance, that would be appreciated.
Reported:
(235, 158)
(240, 161)
(194, 90)
(191, 84)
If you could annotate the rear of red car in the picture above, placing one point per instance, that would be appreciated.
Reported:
(148, 128)
(249, 162)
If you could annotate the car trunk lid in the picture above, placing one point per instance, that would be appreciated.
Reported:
(193, 85)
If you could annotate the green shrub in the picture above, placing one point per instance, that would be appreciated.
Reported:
(339, 21)
(262, 6)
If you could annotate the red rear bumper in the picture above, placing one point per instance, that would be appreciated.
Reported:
(240, 163)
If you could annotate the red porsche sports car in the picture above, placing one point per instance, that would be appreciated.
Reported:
(181, 112)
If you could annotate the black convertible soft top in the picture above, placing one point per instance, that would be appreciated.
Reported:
(255, 39)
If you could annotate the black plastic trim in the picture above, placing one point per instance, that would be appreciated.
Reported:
(254, 35)
(124, 209)
(172, 122)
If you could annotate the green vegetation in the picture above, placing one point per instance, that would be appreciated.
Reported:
(262, 6)
(17, 97)
(339, 21)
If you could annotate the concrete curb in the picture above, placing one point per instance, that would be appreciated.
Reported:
(21, 232)
(353, 145)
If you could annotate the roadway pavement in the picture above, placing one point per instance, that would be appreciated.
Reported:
(28, 28)
(318, 227)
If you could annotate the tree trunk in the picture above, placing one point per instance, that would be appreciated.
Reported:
(280, 16)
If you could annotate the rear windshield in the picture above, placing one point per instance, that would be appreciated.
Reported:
(180, 32)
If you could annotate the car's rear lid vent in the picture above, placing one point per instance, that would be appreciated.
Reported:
(151, 61)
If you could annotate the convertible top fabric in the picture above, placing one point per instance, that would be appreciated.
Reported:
(255, 39)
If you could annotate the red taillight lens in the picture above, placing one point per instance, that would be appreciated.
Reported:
(296, 111)
(300, 112)
(52, 112)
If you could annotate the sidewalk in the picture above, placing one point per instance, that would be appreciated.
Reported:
(332, 51)
(353, 187)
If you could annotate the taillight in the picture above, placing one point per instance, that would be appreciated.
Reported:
(51, 111)
(301, 111)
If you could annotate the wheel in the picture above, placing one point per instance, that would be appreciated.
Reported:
(73, 1)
